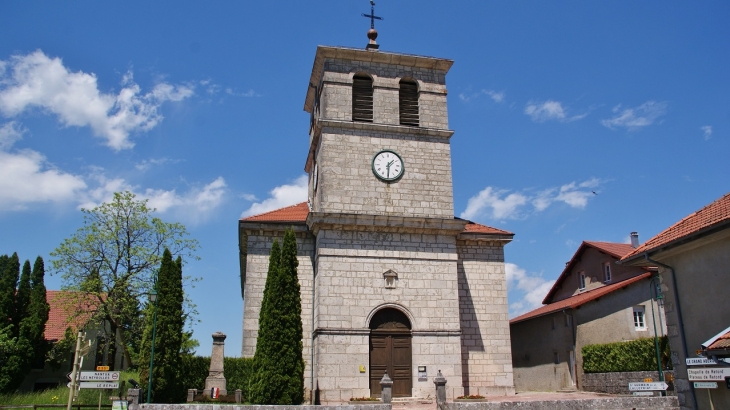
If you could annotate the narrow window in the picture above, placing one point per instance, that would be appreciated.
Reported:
(408, 103)
(582, 281)
(639, 322)
(362, 98)
(607, 272)
(556, 358)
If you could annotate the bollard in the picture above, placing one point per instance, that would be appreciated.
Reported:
(440, 383)
(386, 388)
(239, 393)
(133, 396)
(191, 394)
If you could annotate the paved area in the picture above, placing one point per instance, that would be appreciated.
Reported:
(522, 396)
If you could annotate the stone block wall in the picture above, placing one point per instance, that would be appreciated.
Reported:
(347, 184)
(618, 382)
(483, 313)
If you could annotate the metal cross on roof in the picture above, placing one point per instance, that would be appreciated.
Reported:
(372, 15)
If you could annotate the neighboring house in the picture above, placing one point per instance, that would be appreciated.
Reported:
(693, 257)
(594, 301)
(61, 316)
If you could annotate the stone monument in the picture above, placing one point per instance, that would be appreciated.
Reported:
(215, 374)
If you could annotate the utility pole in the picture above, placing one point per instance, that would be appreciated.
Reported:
(78, 356)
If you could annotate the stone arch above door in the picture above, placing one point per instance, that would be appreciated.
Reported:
(391, 351)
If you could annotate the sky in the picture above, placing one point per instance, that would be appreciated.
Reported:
(573, 120)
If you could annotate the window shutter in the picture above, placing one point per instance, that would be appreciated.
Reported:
(362, 99)
(408, 103)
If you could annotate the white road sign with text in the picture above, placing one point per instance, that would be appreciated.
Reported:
(96, 385)
(99, 376)
(708, 373)
(701, 361)
(640, 386)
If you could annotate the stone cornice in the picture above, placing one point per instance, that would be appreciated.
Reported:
(366, 332)
(484, 237)
(384, 57)
(321, 124)
(384, 223)
(253, 227)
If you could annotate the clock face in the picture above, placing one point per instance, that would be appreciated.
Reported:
(387, 165)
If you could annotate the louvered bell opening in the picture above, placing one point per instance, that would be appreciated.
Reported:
(362, 99)
(408, 103)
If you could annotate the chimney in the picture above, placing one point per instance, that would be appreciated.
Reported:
(634, 239)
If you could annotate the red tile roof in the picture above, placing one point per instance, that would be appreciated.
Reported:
(299, 212)
(709, 217)
(617, 250)
(64, 306)
(579, 299)
(721, 341)
(293, 213)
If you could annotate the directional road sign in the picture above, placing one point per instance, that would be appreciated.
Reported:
(643, 393)
(708, 373)
(96, 385)
(705, 385)
(640, 386)
(99, 376)
(701, 361)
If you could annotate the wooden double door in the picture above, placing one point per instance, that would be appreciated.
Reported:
(391, 351)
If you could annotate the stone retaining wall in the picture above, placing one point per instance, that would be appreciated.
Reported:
(219, 406)
(618, 382)
(609, 403)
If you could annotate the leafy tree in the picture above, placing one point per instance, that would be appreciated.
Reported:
(9, 271)
(113, 258)
(278, 366)
(14, 356)
(166, 381)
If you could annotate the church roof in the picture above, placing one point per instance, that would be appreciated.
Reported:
(706, 220)
(299, 212)
(617, 250)
(579, 299)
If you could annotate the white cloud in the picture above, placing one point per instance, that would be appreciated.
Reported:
(636, 118)
(497, 96)
(500, 204)
(707, 130)
(9, 133)
(38, 81)
(26, 178)
(146, 164)
(530, 288)
(549, 110)
(281, 196)
(491, 199)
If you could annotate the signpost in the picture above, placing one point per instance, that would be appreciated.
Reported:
(641, 386)
(701, 361)
(708, 373)
(99, 376)
(705, 385)
(96, 385)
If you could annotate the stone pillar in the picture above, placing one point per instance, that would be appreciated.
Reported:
(133, 398)
(215, 374)
(239, 393)
(191, 394)
(386, 388)
(440, 383)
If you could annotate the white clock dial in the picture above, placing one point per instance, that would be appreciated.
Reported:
(387, 165)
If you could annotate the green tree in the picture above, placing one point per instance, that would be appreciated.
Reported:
(22, 296)
(278, 366)
(113, 258)
(13, 357)
(33, 324)
(167, 378)
(8, 281)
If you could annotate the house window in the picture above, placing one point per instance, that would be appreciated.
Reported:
(582, 278)
(408, 103)
(639, 318)
(362, 98)
(607, 272)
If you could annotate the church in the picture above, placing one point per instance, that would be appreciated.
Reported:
(391, 281)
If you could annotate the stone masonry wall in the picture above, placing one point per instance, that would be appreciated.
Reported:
(257, 265)
(618, 382)
(485, 339)
(347, 184)
(336, 97)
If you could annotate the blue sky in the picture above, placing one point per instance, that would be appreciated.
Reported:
(198, 107)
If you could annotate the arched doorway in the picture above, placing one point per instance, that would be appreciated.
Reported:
(390, 350)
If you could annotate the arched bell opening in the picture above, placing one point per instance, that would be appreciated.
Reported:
(391, 351)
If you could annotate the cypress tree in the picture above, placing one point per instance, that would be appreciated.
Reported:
(33, 325)
(11, 361)
(166, 382)
(278, 374)
(8, 282)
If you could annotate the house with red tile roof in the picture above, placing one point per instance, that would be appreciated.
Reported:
(593, 301)
(693, 257)
(73, 311)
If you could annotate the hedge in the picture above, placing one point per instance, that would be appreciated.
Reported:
(236, 370)
(632, 356)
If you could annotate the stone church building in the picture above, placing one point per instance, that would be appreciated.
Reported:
(390, 279)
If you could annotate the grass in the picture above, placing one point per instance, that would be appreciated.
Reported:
(59, 395)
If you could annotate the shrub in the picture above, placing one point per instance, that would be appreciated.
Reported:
(632, 356)
(237, 371)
